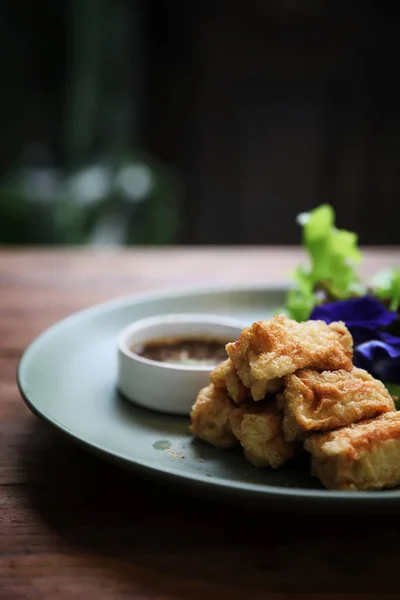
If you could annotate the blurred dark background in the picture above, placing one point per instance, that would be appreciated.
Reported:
(155, 122)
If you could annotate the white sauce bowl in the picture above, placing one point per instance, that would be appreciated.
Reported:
(165, 387)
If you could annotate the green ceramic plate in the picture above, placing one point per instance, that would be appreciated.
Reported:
(68, 374)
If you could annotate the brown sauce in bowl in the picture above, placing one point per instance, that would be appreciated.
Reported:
(201, 351)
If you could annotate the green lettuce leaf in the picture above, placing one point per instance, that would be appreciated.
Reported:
(333, 254)
(301, 298)
(387, 287)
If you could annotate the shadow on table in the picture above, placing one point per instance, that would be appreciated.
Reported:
(170, 543)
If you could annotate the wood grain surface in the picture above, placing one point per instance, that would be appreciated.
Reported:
(74, 527)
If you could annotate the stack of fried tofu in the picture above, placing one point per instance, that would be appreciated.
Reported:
(288, 386)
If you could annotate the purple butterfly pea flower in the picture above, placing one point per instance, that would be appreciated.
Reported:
(363, 316)
(375, 350)
(380, 357)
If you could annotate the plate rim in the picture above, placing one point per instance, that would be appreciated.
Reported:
(155, 472)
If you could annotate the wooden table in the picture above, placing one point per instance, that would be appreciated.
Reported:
(74, 527)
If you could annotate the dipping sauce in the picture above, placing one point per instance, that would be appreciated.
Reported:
(184, 351)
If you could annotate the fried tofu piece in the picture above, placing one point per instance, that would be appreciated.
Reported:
(258, 427)
(363, 456)
(268, 350)
(210, 417)
(225, 376)
(314, 401)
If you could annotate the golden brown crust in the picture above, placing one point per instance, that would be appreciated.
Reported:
(210, 417)
(363, 456)
(225, 376)
(322, 392)
(314, 401)
(258, 427)
(269, 350)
